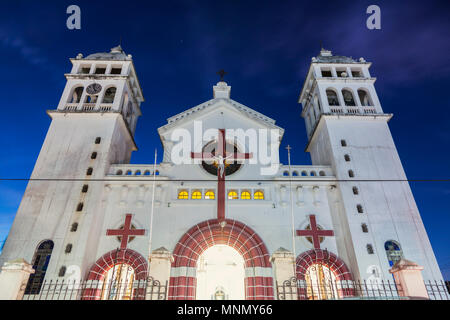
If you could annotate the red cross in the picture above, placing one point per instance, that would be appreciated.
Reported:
(125, 232)
(221, 151)
(315, 232)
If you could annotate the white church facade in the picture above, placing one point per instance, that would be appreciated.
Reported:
(221, 220)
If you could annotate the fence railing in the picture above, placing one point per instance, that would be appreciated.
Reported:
(296, 289)
(148, 289)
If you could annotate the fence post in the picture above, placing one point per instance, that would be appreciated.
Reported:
(283, 263)
(408, 275)
(160, 264)
(13, 279)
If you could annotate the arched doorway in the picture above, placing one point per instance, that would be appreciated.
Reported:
(114, 273)
(220, 274)
(322, 275)
(258, 280)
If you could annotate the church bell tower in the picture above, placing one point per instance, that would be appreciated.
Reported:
(92, 127)
(348, 130)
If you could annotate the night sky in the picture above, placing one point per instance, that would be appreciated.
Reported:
(266, 48)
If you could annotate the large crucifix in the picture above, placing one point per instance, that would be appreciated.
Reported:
(125, 232)
(221, 156)
(315, 232)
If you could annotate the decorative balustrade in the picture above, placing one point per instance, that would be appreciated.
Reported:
(353, 110)
(71, 106)
(105, 107)
(88, 106)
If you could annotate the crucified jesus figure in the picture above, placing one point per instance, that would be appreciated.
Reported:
(221, 163)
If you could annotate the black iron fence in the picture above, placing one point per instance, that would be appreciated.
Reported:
(296, 289)
(148, 289)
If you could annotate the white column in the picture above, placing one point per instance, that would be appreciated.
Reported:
(160, 263)
(13, 279)
(284, 265)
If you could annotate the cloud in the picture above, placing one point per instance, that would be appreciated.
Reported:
(33, 55)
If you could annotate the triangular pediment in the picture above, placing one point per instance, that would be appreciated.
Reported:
(202, 110)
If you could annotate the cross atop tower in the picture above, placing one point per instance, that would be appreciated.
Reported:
(221, 73)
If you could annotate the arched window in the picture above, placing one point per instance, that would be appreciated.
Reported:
(94, 155)
(80, 206)
(146, 172)
(348, 98)
(76, 95)
(85, 188)
(295, 173)
(364, 98)
(332, 98)
(322, 173)
(98, 140)
(210, 195)
(258, 195)
(232, 195)
(313, 173)
(246, 195)
(89, 171)
(304, 173)
(343, 143)
(119, 172)
(364, 228)
(137, 173)
(350, 173)
(355, 190)
(183, 194)
(110, 93)
(40, 263)
(369, 249)
(347, 157)
(286, 173)
(129, 173)
(196, 194)
(393, 251)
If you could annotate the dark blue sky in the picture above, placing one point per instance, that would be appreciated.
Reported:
(266, 48)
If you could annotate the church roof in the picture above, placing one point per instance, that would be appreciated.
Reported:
(116, 53)
(325, 56)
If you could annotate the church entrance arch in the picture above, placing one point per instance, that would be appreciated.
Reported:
(322, 275)
(114, 274)
(258, 281)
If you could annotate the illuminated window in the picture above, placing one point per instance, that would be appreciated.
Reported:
(232, 195)
(259, 195)
(209, 195)
(183, 194)
(246, 195)
(196, 194)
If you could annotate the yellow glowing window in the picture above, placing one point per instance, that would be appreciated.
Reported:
(232, 195)
(196, 194)
(245, 195)
(210, 195)
(183, 194)
(259, 195)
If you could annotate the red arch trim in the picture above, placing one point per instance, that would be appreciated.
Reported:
(107, 261)
(329, 259)
(234, 234)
